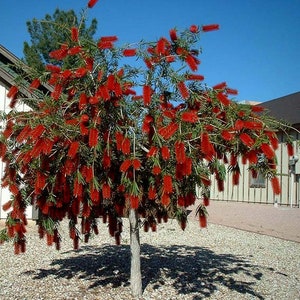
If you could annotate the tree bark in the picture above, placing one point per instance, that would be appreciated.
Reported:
(135, 248)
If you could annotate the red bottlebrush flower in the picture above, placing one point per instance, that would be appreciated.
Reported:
(161, 46)
(202, 221)
(106, 191)
(152, 151)
(156, 170)
(223, 99)
(6, 206)
(60, 53)
(206, 146)
(226, 135)
(273, 139)
(220, 184)
(40, 182)
(220, 86)
(195, 77)
(239, 124)
(93, 137)
(77, 188)
(275, 185)
(55, 94)
(247, 140)
(170, 58)
(12, 93)
(206, 28)
(129, 52)
(74, 34)
(83, 101)
(290, 149)
(34, 85)
(14, 189)
(148, 63)
(110, 82)
(233, 159)
(192, 62)
(183, 90)
(257, 108)
(180, 152)
(92, 3)
(104, 92)
(126, 146)
(253, 125)
(105, 45)
(152, 193)
(119, 140)
(73, 149)
(168, 131)
(89, 63)
(3, 149)
(106, 161)
(74, 50)
(235, 177)
(267, 150)
(165, 152)
(171, 114)
(134, 201)
(194, 28)
(147, 91)
(231, 91)
(205, 201)
(165, 199)
(181, 201)
(94, 100)
(37, 131)
(53, 69)
(89, 174)
(189, 116)
(173, 34)
(109, 38)
(80, 72)
(167, 184)
(83, 129)
(94, 194)
(125, 165)
(205, 181)
(187, 166)
(136, 164)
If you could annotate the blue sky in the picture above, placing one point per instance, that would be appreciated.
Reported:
(256, 50)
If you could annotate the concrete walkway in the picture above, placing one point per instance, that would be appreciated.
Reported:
(281, 222)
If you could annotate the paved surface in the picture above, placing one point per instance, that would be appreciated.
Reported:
(282, 222)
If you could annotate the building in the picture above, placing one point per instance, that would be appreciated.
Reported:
(259, 190)
(9, 66)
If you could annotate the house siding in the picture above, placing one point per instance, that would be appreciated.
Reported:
(290, 186)
(4, 192)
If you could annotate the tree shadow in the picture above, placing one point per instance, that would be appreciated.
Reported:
(188, 269)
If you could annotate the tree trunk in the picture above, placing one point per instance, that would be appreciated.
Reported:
(135, 271)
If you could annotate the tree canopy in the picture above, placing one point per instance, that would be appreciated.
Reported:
(114, 139)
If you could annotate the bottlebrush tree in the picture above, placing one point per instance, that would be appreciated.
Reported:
(126, 132)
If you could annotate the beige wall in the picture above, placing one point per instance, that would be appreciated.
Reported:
(244, 193)
(4, 193)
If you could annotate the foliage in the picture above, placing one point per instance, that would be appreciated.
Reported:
(50, 32)
(124, 128)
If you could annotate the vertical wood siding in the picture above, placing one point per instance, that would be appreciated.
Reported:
(244, 193)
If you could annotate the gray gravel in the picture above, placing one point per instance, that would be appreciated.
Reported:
(213, 263)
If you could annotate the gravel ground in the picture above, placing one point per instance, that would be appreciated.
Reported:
(213, 263)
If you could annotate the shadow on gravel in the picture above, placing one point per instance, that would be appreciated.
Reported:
(188, 269)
